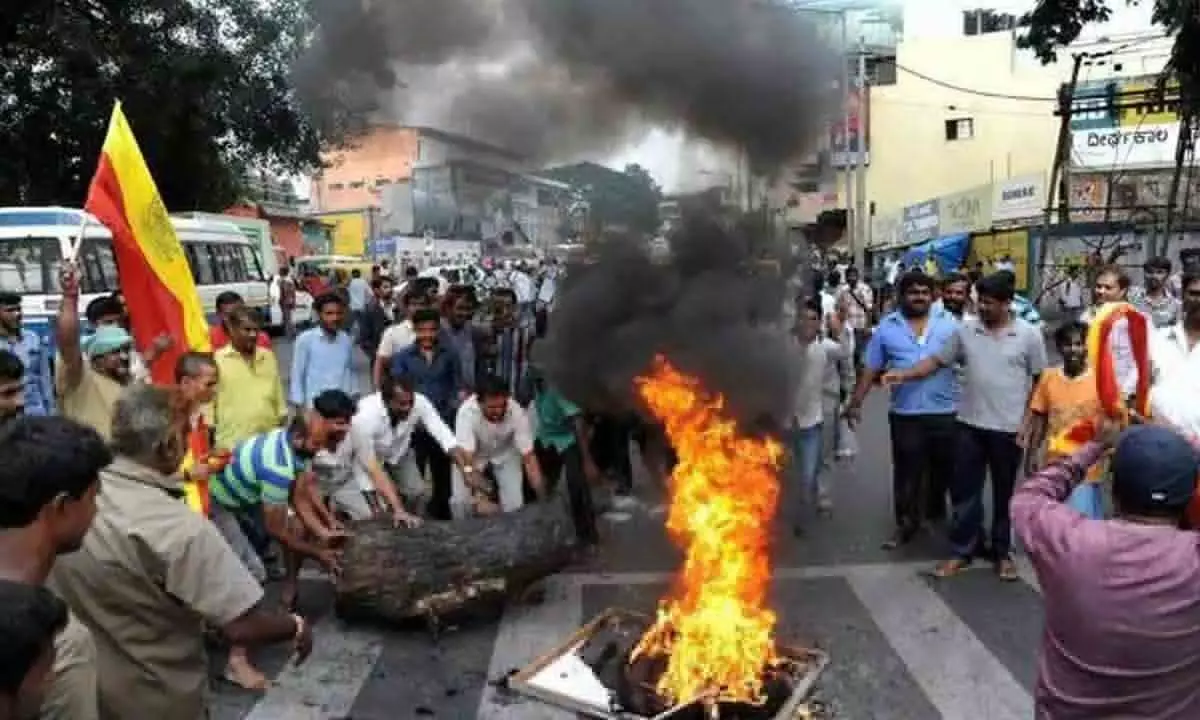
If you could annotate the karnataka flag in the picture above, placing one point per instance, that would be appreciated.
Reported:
(154, 273)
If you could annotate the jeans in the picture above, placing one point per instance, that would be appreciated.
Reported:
(982, 453)
(569, 463)
(806, 456)
(923, 449)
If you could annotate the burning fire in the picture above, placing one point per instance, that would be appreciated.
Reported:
(714, 626)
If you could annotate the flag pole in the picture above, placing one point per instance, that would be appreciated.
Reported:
(73, 246)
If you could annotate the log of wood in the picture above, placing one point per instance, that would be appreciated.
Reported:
(444, 569)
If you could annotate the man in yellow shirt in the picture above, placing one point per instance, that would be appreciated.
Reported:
(250, 394)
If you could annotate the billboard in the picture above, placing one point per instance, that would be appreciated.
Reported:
(851, 131)
(1124, 123)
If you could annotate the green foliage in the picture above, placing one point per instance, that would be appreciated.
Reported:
(1054, 24)
(205, 84)
(626, 200)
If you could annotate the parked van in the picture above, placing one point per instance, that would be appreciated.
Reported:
(34, 241)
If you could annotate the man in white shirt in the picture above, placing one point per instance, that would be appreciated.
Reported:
(495, 432)
(522, 284)
(1175, 355)
(808, 413)
(385, 422)
(400, 335)
(359, 291)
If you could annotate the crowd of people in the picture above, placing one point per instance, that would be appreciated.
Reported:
(974, 400)
(155, 514)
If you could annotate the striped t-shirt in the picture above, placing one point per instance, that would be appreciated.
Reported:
(261, 472)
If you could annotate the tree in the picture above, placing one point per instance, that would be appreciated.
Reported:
(206, 87)
(1054, 24)
(615, 200)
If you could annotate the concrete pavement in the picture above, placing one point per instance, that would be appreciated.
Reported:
(903, 644)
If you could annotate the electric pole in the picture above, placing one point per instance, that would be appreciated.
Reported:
(863, 223)
(1059, 171)
(1183, 150)
(846, 157)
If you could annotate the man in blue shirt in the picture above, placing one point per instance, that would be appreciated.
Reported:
(33, 353)
(922, 412)
(323, 356)
(435, 371)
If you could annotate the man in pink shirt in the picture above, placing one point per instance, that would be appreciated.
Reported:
(1122, 596)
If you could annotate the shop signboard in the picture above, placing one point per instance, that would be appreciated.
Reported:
(965, 212)
(1111, 149)
(1018, 198)
(921, 222)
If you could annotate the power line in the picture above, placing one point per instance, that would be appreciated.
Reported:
(972, 91)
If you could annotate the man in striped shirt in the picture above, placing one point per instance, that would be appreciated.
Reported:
(267, 476)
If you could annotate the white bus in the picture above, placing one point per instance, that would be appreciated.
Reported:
(34, 241)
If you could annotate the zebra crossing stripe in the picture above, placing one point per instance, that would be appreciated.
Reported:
(526, 633)
(327, 684)
(958, 674)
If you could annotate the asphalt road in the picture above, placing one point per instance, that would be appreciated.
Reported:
(903, 645)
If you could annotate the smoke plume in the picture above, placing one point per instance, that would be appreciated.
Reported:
(713, 309)
(555, 79)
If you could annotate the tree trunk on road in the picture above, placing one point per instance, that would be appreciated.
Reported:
(447, 568)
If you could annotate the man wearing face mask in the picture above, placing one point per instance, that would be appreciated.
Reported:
(89, 378)
(387, 420)
(256, 488)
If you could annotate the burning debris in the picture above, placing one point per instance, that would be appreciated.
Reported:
(714, 632)
(710, 652)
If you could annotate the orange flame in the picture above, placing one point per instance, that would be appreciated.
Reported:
(714, 626)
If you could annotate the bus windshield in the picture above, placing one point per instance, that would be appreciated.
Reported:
(30, 265)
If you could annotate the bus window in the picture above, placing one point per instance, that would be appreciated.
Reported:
(253, 265)
(201, 261)
(98, 266)
(30, 265)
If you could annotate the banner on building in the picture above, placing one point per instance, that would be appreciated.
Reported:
(847, 140)
(887, 231)
(920, 222)
(1111, 149)
(1094, 106)
(966, 211)
(1018, 198)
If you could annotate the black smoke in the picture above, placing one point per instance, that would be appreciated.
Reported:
(713, 308)
(552, 79)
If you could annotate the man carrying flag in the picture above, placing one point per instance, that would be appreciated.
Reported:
(156, 280)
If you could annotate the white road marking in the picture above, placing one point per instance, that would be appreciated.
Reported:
(526, 633)
(327, 685)
(956, 671)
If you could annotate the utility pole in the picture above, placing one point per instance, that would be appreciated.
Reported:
(1059, 172)
(848, 170)
(863, 223)
(1183, 149)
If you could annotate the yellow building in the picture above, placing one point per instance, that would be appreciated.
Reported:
(928, 140)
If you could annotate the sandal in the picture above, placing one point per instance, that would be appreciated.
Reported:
(950, 568)
(1006, 568)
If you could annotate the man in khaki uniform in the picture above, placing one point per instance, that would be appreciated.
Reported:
(48, 486)
(152, 573)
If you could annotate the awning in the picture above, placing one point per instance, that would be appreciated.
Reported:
(948, 254)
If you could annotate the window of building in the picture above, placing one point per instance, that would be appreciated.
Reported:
(960, 129)
(357, 185)
(336, 186)
(881, 71)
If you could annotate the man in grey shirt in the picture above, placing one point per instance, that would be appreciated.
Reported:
(1001, 358)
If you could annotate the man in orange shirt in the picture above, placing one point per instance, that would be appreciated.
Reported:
(1063, 396)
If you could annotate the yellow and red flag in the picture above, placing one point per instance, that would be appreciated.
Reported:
(154, 273)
